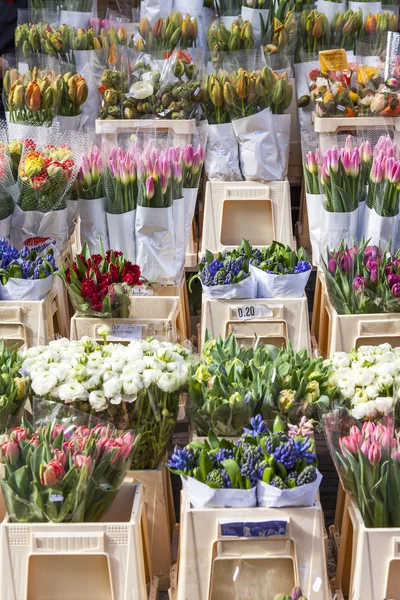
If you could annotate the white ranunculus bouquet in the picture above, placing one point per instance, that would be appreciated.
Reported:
(135, 387)
(366, 379)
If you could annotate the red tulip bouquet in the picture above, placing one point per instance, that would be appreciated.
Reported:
(99, 284)
(61, 474)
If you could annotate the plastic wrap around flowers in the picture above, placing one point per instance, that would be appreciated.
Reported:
(135, 387)
(13, 388)
(274, 271)
(63, 474)
(261, 458)
(366, 378)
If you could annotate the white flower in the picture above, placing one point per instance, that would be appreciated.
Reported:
(340, 359)
(389, 368)
(168, 382)
(134, 353)
(60, 343)
(362, 410)
(363, 376)
(43, 383)
(368, 360)
(97, 400)
(360, 397)
(385, 347)
(59, 371)
(384, 404)
(92, 382)
(321, 82)
(348, 391)
(345, 380)
(151, 376)
(141, 90)
(112, 387)
(79, 373)
(182, 373)
(153, 362)
(165, 354)
(372, 391)
(71, 391)
(136, 367)
(132, 383)
(356, 364)
(387, 357)
(115, 365)
(34, 351)
(103, 331)
(384, 381)
(117, 399)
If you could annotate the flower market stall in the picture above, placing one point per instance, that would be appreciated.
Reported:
(199, 300)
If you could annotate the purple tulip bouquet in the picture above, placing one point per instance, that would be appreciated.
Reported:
(63, 474)
(363, 280)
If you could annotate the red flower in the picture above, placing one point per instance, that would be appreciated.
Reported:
(89, 288)
(131, 274)
(96, 259)
(114, 273)
(111, 254)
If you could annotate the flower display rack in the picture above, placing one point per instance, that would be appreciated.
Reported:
(85, 561)
(260, 213)
(274, 320)
(332, 332)
(328, 128)
(368, 558)
(216, 542)
(160, 518)
(179, 289)
(182, 130)
(150, 316)
(33, 323)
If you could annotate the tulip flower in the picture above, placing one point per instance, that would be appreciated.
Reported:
(52, 473)
(10, 450)
(375, 454)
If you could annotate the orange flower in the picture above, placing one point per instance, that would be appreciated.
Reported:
(32, 96)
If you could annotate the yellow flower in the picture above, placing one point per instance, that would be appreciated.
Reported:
(365, 73)
(31, 165)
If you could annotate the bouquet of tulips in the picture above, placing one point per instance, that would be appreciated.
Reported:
(32, 98)
(231, 384)
(25, 275)
(363, 280)
(92, 201)
(74, 93)
(346, 26)
(45, 176)
(61, 474)
(174, 31)
(135, 387)
(13, 387)
(365, 380)
(99, 285)
(8, 190)
(313, 32)
(367, 460)
(239, 36)
(257, 12)
(282, 36)
(262, 459)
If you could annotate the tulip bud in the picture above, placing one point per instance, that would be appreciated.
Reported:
(52, 473)
(375, 454)
(81, 92)
(83, 462)
(242, 85)
(17, 96)
(296, 593)
(32, 96)
(9, 450)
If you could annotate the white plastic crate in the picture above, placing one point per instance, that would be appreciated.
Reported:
(150, 316)
(275, 321)
(213, 551)
(328, 128)
(341, 333)
(80, 561)
(160, 518)
(255, 211)
(182, 129)
(33, 323)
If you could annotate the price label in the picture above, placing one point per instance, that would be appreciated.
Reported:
(250, 529)
(125, 332)
(253, 311)
(142, 291)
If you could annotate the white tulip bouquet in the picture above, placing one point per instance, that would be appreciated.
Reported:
(135, 387)
(366, 379)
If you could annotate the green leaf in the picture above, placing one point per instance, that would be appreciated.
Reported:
(214, 441)
(205, 464)
(233, 471)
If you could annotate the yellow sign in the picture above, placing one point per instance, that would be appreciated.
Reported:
(333, 60)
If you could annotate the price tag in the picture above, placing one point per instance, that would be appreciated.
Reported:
(142, 291)
(125, 332)
(253, 311)
(253, 528)
(333, 60)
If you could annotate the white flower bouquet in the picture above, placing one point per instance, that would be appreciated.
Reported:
(366, 379)
(135, 387)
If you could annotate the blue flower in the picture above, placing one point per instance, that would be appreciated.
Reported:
(302, 267)
(258, 426)
(25, 252)
(26, 269)
(215, 266)
(182, 459)
(225, 454)
(303, 450)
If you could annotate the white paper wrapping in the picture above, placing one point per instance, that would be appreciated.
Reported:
(190, 198)
(227, 20)
(26, 289)
(82, 58)
(201, 496)
(337, 227)
(23, 68)
(69, 123)
(121, 233)
(314, 213)
(282, 125)
(155, 244)
(242, 290)
(91, 108)
(280, 286)
(254, 15)
(152, 9)
(13, 190)
(380, 230)
(72, 215)
(366, 7)
(52, 225)
(5, 225)
(178, 211)
(222, 154)
(194, 7)
(361, 216)
(94, 223)
(330, 8)
(269, 496)
(260, 158)
(75, 18)
(20, 131)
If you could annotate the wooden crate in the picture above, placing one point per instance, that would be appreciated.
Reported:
(33, 323)
(180, 289)
(332, 332)
(150, 316)
(160, 518)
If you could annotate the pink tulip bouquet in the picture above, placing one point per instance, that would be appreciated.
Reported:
(63, 474)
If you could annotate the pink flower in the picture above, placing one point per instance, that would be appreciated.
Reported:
(332, 266)
(19, 434)
(367, 430)
(60, 456)
(52, 473)
(396, 454)
(150, 188)
(82, 432)
(188, 156)
(379, 431)
(366, 445)
(82, 461)
(387, 441)
(396, 290)
(100, 430)
(10, 450)
(375, 454)
(393, 279)
(349, 443)
(346, 264)
(359, 284)
(55, 432)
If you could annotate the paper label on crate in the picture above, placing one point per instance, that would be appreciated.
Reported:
(253, 311)
(333, 60)
(125, 332)
(141, 291)
(253, 528)
(317, 584)
(56, 498)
